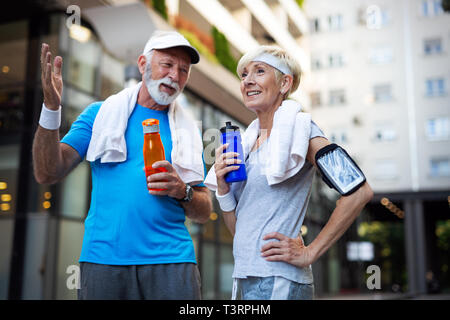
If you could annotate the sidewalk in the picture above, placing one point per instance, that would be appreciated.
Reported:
(386, 296)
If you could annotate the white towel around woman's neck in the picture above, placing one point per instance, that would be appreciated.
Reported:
(108, 135)
(287, 144)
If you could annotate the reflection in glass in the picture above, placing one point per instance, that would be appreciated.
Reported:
(13, 54)
(113, 76)
(83, 64)
(70, 240)
(75, 193)
(208, 271)
(74, 102)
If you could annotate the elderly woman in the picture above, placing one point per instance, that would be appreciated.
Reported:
(265, 212)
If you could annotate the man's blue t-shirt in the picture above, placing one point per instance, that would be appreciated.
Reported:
(126, 225)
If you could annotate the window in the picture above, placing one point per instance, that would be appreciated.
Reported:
(315, 25)
(75, 204)
(14, 43)
(380, 55)
(382, 93)
(431, 8)
(432, 46)
(335, 60)
(361, 16)
(385, 132)
(337, 97)
(316, 64)
(339, 136)
(435, 87)
(192, 104)
(438, 128)
(425, 8)
(83, 64)
(335, 22)
(440, 167)
(315, 99)
(113, 75)
(376, 18)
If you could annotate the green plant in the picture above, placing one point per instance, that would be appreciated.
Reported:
(222, 49)
(160, 7)
(300, 3)
(194, 41)
(388, 240)
(443, 234)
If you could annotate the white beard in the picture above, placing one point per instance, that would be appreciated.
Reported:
(161, 98)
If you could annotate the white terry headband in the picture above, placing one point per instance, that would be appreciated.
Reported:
(274, 62)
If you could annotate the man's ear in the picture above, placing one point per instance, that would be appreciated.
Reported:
(142, 61)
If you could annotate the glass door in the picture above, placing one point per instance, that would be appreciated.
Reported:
(13, 53)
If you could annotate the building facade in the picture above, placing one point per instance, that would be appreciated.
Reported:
(379, 85)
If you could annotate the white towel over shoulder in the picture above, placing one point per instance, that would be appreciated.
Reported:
(108, 135)
(288, 144)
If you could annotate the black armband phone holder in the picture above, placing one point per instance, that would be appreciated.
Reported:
(338, 170)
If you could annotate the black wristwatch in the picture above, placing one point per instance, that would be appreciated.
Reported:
(189, 194)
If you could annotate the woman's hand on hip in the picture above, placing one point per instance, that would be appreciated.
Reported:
(290, 250)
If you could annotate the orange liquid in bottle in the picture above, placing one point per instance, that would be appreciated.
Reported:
(153, 147)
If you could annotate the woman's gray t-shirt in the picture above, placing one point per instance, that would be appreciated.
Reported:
(262, 209)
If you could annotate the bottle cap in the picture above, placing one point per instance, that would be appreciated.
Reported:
(150, 125)
(229, 127)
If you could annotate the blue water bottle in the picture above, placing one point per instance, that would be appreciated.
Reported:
(231, 135)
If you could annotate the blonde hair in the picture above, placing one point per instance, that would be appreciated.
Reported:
(279, 53)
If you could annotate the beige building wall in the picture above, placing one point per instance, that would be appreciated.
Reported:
(381, 43)
(436, 66)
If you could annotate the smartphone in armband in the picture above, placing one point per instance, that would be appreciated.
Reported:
(338, 170)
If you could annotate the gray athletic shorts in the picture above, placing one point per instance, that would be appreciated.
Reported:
(174, 281)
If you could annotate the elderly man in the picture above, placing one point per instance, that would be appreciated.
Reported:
(135, 245)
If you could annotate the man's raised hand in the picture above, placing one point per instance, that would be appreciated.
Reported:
(52, 83)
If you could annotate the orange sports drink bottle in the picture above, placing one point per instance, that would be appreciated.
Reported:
(153, 147)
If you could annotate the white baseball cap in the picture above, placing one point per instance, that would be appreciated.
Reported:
(169, 39)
